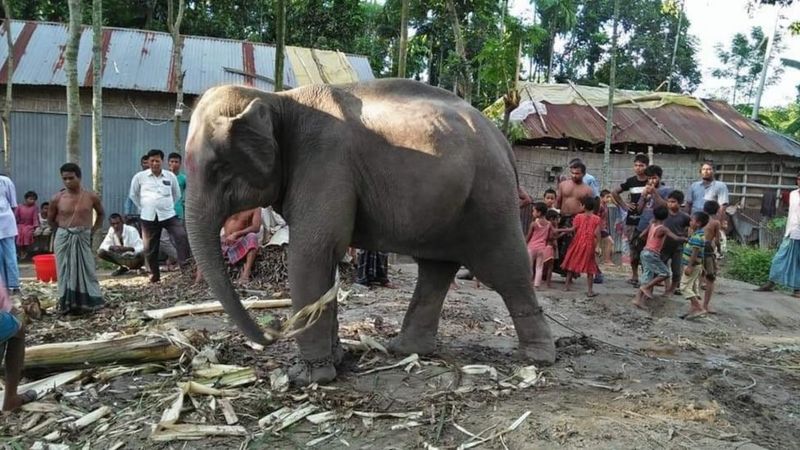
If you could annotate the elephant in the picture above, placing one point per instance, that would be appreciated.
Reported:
(391, 165)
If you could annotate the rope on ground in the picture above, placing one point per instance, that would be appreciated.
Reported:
(609, 344)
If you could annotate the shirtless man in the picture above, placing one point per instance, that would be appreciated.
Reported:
(569, 194)
(240, 241)
(70, 214)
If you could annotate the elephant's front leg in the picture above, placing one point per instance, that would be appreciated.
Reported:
(311, 274)
(421, 322)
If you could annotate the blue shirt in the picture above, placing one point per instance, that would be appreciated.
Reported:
(696, 241)
(700, 192)
(647, 212)
(593, 183)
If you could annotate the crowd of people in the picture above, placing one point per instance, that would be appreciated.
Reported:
(674, 238)
(670, 238)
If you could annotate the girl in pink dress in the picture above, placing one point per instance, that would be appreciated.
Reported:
(580, 256)
(27, 221)
(539, 237)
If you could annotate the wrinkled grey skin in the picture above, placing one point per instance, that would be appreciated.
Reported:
(391, 165)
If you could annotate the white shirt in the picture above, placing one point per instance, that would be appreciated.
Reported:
(8, 201)
(793, 219)
(130, 238)
(155, 196)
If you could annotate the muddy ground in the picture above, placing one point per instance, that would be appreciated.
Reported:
(635, 379)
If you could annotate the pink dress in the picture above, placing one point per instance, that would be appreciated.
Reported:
(27, 221)
(580, 256)
(538, 241)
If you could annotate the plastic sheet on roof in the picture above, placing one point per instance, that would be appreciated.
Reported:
(320, 66)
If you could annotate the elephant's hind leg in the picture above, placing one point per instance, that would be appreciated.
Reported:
(418, 334)
(506, 267)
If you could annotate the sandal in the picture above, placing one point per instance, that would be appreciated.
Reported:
(634, 283)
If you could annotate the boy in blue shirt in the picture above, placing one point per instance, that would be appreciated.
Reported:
(693, 253)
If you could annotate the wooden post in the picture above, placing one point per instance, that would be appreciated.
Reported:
(743, 201)
(6, 117)
(650, 154)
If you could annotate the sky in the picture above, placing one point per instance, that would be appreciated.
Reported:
(716, 21)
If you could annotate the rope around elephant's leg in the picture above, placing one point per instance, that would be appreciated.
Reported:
(309, 315)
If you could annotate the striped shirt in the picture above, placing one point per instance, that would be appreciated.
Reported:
(698, 241)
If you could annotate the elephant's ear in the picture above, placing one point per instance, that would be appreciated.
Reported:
(252, 148)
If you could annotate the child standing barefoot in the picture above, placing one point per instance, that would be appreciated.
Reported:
(553, 218)
(580, 256)
(693, 264)
(539, 241)
(655, 270)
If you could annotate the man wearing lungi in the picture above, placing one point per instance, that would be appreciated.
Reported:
(785, 269)
(70, 214)
(240, 240)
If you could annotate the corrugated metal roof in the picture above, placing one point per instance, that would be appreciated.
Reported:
(142, 60)
(691, 127)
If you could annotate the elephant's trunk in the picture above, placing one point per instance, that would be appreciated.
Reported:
(203, 223)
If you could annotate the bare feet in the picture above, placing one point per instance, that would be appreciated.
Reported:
(637, 302)
(646, 293)
(15, 402)
(591, 294)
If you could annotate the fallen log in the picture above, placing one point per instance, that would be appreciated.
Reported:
(137, 348)
(212, 307)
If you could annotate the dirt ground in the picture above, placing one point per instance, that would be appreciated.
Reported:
(635, 379)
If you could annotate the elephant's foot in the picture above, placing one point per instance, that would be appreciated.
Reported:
(320, 371)
(405, 345)
(536, 343)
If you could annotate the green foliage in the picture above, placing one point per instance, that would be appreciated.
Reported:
(742, 62)
(643, 56)
(748, 264)
(777, 224)
(783, 119)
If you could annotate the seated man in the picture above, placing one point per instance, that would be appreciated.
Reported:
(12, 340)
(240, 240)
(122, 246)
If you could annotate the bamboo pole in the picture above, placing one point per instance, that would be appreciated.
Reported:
(212, 307)
(137, 348)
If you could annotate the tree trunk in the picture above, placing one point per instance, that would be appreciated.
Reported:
(6, 117)
(612, 84)
(464, 73)
(403, 50)
(174, 23)
(280, 44)
(551, 51)
(97, 96)
(73, 93)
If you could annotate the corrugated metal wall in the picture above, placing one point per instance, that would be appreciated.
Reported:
(38, 150)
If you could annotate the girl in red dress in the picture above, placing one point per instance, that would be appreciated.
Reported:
(580, 256)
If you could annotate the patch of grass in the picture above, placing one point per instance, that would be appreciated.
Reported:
(748, 264)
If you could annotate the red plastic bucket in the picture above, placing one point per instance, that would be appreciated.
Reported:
(45, 266)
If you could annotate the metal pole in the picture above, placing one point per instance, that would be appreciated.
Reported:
(767, 56)
(675, 48)
(612, 84)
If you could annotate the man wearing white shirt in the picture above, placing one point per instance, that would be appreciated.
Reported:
(785, 269)
(155, 191)
(122, 246)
